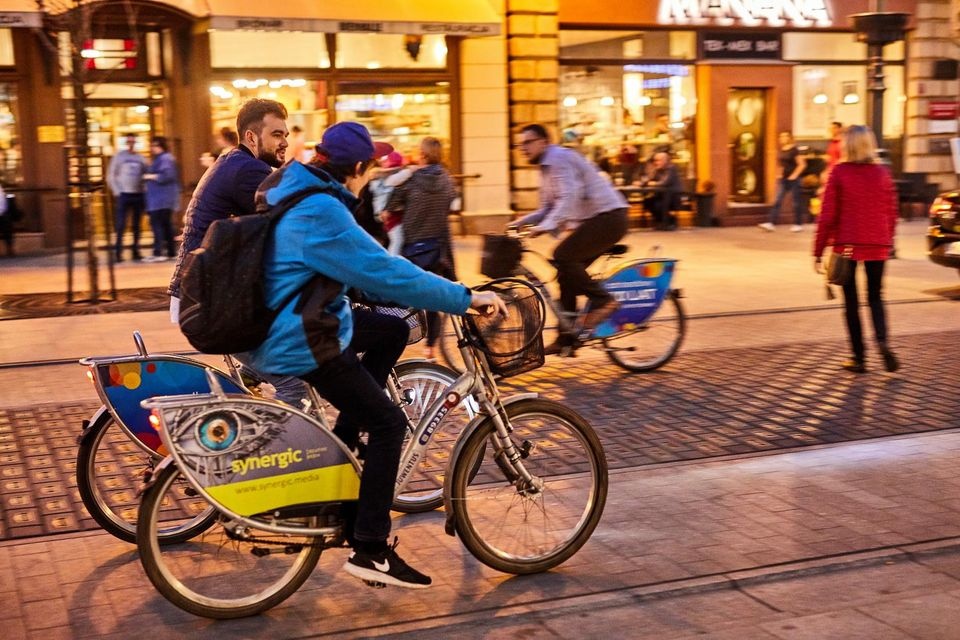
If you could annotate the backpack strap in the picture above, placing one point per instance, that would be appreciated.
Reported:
(276, 212)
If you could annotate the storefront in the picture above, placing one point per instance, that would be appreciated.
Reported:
(714, 82)
(182, 68)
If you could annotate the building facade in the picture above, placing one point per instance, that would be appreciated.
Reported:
(711, 80)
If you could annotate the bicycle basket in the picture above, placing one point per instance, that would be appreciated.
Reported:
(416, 320)
(513, 344)
(501, 255)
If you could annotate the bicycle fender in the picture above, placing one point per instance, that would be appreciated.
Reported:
(450, 525)
(91, 425)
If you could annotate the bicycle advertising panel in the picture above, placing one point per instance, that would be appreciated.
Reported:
(253, 456)
(124, 385)
(640, 287)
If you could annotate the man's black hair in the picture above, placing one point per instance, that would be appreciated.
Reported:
(536, 129)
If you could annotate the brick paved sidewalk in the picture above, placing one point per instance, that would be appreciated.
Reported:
(684, 549)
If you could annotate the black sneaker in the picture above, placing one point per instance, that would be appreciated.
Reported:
(385, 567)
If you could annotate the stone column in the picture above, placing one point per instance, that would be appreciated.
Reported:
(532, 79)
(935, 37)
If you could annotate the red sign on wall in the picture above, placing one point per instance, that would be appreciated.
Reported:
(943, 110)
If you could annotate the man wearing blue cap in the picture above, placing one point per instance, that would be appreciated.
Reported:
(319, 248)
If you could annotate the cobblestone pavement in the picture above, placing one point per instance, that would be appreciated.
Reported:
(702, 404)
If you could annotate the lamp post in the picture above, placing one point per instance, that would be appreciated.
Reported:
(877, 29)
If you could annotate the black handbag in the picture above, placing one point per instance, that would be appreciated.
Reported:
(840, 267)
(424, 253)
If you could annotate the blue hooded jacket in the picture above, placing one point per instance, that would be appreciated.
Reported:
(319, 235)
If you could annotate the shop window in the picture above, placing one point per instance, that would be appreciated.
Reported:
(622, 114)
(305, 100)
(827, 93)
(400, 115)
(627, 45)
(833, 46)
(11, 168)
(390, 51)
(268, 50)
(6, 48)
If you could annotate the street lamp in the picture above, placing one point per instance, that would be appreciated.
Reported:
(877, 30)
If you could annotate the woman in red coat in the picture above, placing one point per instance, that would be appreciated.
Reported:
(858, 217)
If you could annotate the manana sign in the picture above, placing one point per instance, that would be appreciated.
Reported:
(745, 13)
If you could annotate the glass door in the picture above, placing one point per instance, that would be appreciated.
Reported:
(747, 123)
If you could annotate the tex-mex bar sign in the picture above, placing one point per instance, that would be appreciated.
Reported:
(355, 26)
(746, 13)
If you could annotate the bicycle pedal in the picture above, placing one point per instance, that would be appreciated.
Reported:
(375, 584)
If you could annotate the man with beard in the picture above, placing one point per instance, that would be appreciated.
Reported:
(228, 189)
(229, 185)
(574, 198)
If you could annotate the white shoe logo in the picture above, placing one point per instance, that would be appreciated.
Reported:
(382, 566)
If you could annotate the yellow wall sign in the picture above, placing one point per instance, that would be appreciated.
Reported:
(51, 133)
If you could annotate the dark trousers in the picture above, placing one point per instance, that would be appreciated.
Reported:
(851, 307)
(445, 269)
(578, 251)
(6, 231)
(355, 387)
(791, 187)
(131, 203)
(658, 204)
(162, 224)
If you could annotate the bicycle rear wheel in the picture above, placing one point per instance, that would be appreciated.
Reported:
(228, 572)
(652, 344)
(524, 528)
(110, 470)
(420, 385)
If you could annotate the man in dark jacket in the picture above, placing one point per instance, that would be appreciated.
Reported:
(228, 189)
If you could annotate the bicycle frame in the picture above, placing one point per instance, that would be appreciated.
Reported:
(250, 456)
(640, 286)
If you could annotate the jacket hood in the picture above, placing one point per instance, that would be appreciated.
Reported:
(431, 178)
(296, 176)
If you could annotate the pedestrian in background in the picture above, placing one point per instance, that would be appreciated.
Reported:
(425, 200)
(664, 180)
(391, 174)
(858, 219)
(125, 179)
(792, 165)
(163, 198)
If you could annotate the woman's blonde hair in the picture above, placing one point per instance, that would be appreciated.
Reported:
(859, 144)
(432, 150)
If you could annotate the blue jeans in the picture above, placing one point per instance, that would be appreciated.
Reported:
(162, 227)
(355, 387)
(128, 203)
(792, 187)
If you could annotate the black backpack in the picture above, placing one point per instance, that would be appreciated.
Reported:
(223, 305)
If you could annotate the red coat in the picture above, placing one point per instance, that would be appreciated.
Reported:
(859, 209)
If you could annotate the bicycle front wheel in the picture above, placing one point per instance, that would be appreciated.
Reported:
(652, 344)
(527, 527)
(420, 385)
(447, 341)
(110, 469)
(231, 571)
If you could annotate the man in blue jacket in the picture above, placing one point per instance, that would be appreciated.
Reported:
(317, 336)
(163, 198)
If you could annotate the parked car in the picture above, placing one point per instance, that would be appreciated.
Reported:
(943, 235)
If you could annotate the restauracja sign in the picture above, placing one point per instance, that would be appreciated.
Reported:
(728, 13)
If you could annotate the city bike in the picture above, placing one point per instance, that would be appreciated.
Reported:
(646, 330)
(117, 447)
(524, 489)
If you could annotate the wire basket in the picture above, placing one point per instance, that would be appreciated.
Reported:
(513, 344)
(416, 320)
(501, 255)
